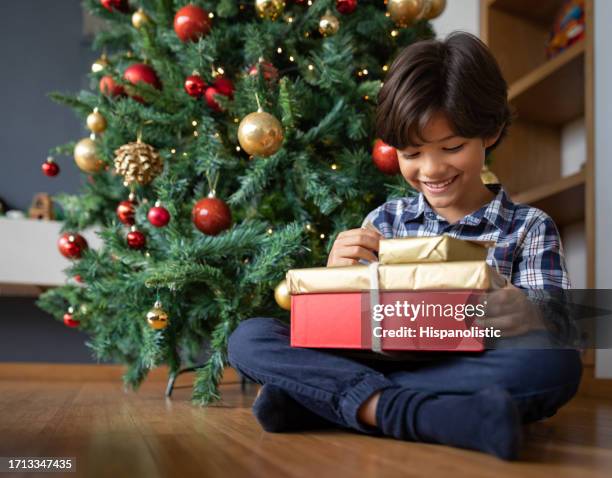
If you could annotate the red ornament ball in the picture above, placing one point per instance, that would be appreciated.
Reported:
(125, 212)
(50, 168)
(136, 239)
(70, 321)
(139, 72)
(71, 245)
(385, 157)
(346, 6)
(224, 86)
(191, 22)
(211, 216)
(119, 5)
(195, 86)
(109, 87)
(210, 93)
(268, 70)
(158, 216)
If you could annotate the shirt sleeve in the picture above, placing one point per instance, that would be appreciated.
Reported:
(540, 262)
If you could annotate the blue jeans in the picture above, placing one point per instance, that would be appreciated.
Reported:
(334, 385)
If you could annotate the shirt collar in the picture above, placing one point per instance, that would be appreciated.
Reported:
(497, 212)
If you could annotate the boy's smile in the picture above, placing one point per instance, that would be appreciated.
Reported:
(446, 169)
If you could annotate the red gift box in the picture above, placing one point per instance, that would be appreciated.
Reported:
(344, 321)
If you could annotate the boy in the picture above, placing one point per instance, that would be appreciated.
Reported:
(443, 106)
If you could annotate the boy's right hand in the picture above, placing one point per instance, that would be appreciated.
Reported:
(352, 245)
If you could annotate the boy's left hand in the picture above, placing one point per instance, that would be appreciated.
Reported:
(509, 311)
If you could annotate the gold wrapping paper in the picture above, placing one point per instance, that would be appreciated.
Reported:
(431, 249)
(447, 275)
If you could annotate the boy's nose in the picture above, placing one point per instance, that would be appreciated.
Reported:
(432, 169)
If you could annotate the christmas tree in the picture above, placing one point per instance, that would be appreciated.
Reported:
(230, 141)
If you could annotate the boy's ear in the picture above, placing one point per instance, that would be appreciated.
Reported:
(493, 139)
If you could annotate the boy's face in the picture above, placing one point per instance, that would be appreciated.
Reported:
(445, 168)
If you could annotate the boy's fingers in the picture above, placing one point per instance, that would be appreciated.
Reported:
(356, 252)
(367, 239)
(341, 261)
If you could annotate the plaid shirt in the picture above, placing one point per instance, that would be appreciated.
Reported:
(528, 249)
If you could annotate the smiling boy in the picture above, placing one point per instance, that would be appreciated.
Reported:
(443, 106)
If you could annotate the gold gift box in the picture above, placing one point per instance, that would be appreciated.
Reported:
(431, 249)
(424, 276)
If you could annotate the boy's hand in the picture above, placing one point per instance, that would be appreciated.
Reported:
(352, 245)
(509, 311)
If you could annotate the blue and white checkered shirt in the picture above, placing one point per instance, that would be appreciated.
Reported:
(528, 248)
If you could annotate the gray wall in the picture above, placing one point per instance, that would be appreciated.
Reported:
(42, 49)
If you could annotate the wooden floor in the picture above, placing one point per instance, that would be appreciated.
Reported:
(118, 434)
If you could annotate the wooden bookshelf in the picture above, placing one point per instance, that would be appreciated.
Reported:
(546, 94)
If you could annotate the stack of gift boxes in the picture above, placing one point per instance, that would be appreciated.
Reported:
(364, 306)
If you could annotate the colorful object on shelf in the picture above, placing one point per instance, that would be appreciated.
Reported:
(86, 156)
(158, 215)
(157, 317)
(191, 22)
(41, 207)
(211, 216)
(385, 158)
(50, 167)
(72, 245)
(568, 28)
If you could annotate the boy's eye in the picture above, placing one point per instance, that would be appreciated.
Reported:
(454, 149)
(410, 155)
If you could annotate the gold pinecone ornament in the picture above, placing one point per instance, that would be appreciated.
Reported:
(138, 163)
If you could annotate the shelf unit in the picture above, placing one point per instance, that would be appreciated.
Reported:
(546, 94)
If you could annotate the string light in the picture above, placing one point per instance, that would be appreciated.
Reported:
(334, 166)
(394, 33)
(385, 68)
(365, 71)
(195, 133)
(311, 67)
(237, 148)
(279, 50)
(184, 155)
(236, 120)
(220, 70)
(217, 135)
(173, 151)
(310, 3)
(211, 15)
(366, 97)
(306, 34)
(322, 236)
(309, 227)
(269, 231)
(194, 123)
(291, 58)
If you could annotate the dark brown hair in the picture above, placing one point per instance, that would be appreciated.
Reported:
(458, 77)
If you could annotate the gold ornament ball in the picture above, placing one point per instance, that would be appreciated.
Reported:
(405, 12)
(260, 134)
(157, 318)
(487, 176)
(138, 163)
(140, 19)
(433, 9)
(269, 9)
(329, 24)
(100, 64)
(96, 122)
(86, 156)
(282, 296)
